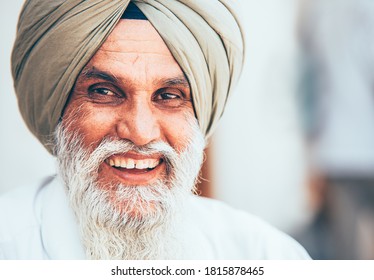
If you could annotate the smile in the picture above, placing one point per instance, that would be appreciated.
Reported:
(135, 169)
(130, 163)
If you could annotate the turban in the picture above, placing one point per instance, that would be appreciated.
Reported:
(55, 40)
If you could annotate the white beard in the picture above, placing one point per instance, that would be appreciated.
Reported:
(128, 222)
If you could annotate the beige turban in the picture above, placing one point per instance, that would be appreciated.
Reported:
(56, 39)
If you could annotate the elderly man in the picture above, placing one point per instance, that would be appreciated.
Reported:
(125, 94)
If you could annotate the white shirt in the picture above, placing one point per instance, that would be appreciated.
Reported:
(36, 222)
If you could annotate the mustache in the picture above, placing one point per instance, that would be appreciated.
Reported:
(108, 146)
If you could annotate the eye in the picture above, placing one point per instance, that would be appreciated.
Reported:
(102, 91)
(170, 97)
(105, 94)
(167, 95)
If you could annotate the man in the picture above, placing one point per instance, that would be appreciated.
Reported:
(125, 96)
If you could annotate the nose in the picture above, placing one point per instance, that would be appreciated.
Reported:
(138, 123)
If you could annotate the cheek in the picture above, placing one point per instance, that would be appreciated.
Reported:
(92, 123)
(178, 130)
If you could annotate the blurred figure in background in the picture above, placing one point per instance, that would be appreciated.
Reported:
(337, 38)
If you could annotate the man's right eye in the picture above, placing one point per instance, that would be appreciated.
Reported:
(102, 91)
(105, 95)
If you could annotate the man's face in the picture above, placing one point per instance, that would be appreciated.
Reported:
(129, 147)
(132, 89)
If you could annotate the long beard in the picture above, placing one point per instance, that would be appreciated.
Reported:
(128, 222)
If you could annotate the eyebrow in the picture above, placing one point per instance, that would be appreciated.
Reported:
(177, 81)
(94, 73)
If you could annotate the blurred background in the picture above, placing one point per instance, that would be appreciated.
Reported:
(295, 143)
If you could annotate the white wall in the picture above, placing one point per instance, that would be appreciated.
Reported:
(260, 157)
(259, 152)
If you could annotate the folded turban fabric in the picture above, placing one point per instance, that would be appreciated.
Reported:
(55, 39)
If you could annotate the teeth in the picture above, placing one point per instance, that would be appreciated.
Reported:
(129, 163)
(123, 164)
(153, 163)
(140, 164)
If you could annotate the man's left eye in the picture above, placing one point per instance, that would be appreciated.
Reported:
(169, 98)
(167, 95)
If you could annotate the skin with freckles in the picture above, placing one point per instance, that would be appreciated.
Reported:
(132, 89)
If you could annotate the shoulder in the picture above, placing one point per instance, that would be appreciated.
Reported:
(241, 235)
(16, 205)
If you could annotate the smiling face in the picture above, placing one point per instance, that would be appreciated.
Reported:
(132, 89)
(129, 147)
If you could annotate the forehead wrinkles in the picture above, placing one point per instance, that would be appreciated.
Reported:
(135, 36)
(137, 66)
(136, 43)
(123, 46)
(148, 53)
(134, 70)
